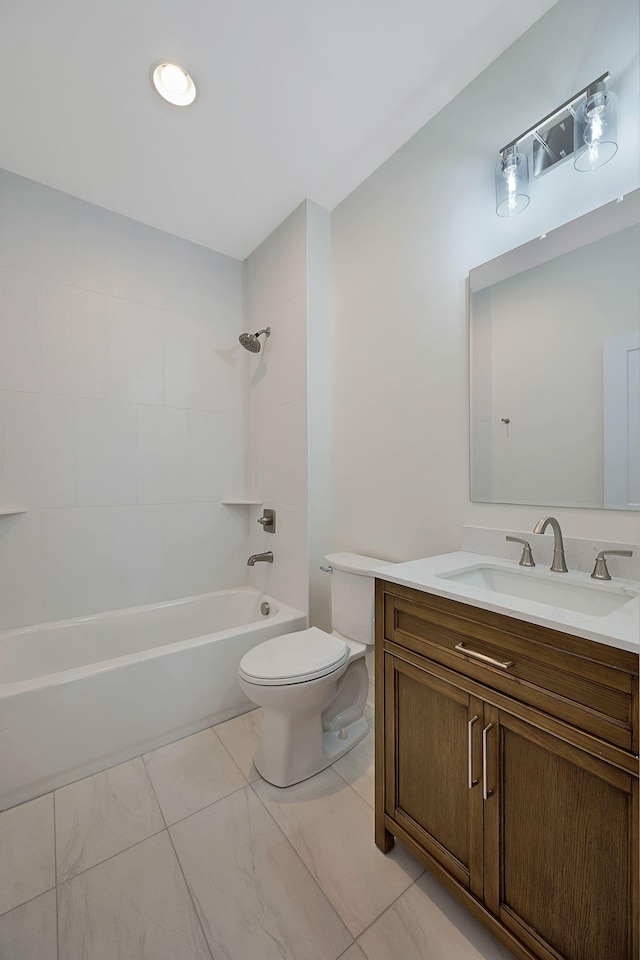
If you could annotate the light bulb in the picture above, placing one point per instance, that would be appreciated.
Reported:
(594, 131)
(174, 78)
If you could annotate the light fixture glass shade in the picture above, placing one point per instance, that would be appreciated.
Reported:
(173, 83)
(512, 183)
(595, 129)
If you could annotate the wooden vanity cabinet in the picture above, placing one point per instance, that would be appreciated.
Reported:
(530, 820)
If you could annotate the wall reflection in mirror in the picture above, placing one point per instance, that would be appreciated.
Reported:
(555, 366)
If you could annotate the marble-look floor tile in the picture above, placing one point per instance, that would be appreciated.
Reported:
(368, 712)
(192, 773)
(255, 897)
(353, 953)
(134, 906)
(240, 737)
(29, 932)
(356, 767)
(331, 828)
(102, 815)
(427, 923)
(27, 856)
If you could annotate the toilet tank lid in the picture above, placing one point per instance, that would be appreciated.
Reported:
(355, 563)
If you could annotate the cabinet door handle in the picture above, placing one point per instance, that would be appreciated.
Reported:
(504, 665)
(486, 793)
(472, 782)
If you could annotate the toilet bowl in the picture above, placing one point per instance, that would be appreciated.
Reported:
(313, 685)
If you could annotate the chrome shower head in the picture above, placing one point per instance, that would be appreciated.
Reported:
(250, 340)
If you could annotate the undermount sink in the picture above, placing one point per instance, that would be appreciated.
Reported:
(593, 599)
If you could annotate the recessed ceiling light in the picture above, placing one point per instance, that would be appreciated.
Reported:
(173, 83)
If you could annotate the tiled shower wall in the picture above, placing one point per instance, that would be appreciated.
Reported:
(122, 410)
(276, 287)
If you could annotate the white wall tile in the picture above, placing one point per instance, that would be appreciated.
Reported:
(216, 455)
(268, 290)
(215, 286)
(75, 569)
(105, 246)
(36, 229)
(135, 351)
(136, 555)
(19, 332)
(287, 577)
(279, 436)
(38, 460)
(292, 254)
(86, 299)
(20, 570)
(106, 452)
(189, 549)
(74, 341)
(188, 362)
(231, 546)
(162, 268)
(163, 464)
(278, 374)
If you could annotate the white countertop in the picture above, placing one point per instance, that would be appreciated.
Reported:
(619, 629)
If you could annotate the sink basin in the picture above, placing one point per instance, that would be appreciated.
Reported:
(594, 599)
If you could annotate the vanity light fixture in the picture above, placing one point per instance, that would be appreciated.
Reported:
(173, 83)
(583, 126)
(512, 182)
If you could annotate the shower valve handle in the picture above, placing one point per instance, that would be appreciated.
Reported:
(268, 520)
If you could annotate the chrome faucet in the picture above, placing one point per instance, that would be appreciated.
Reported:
(558, 564)
(260, 558)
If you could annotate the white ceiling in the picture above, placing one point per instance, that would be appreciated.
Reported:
(295, 99)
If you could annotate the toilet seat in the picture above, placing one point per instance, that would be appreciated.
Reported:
(294, 658)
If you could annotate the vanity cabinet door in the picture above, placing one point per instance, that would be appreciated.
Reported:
(561, 841)
(433, 753)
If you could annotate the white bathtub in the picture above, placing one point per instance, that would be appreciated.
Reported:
(81, 695)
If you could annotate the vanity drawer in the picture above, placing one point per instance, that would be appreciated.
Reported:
(587, 684)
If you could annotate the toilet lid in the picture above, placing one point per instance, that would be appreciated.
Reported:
(294, 657)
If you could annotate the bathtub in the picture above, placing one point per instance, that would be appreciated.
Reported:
(78, 696)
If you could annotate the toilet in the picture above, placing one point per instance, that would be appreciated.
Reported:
(313, 685)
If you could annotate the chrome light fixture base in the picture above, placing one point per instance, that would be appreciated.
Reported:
(584, 126)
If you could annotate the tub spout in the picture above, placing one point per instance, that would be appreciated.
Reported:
(260, 558)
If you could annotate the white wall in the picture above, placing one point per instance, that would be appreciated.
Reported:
(276, 297)
(122, 402)
(402, 246)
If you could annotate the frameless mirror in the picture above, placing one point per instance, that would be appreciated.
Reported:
(555, 366)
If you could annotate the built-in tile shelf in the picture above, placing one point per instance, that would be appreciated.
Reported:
(243, 503)
(11, 511)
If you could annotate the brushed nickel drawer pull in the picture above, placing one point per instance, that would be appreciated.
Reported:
(486, 793)
(482, 656)
(472, 782)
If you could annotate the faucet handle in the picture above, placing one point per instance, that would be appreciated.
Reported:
(526, 560)
(600, 571)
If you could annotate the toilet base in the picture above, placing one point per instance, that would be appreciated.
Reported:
(282, 772)
(308, 726)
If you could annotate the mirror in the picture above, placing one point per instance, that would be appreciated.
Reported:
(555, 366)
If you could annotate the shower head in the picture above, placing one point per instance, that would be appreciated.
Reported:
(250, 340)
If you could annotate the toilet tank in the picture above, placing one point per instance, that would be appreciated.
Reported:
(352, 594)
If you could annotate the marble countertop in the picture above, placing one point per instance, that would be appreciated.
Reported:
(619, 629)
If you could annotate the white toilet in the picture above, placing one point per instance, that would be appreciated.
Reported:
(313, 685)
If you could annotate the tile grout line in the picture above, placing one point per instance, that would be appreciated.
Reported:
(55, 867)
(175, 853)
(25, 902)
(388, 907)
(392, 904)
(297, 855)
